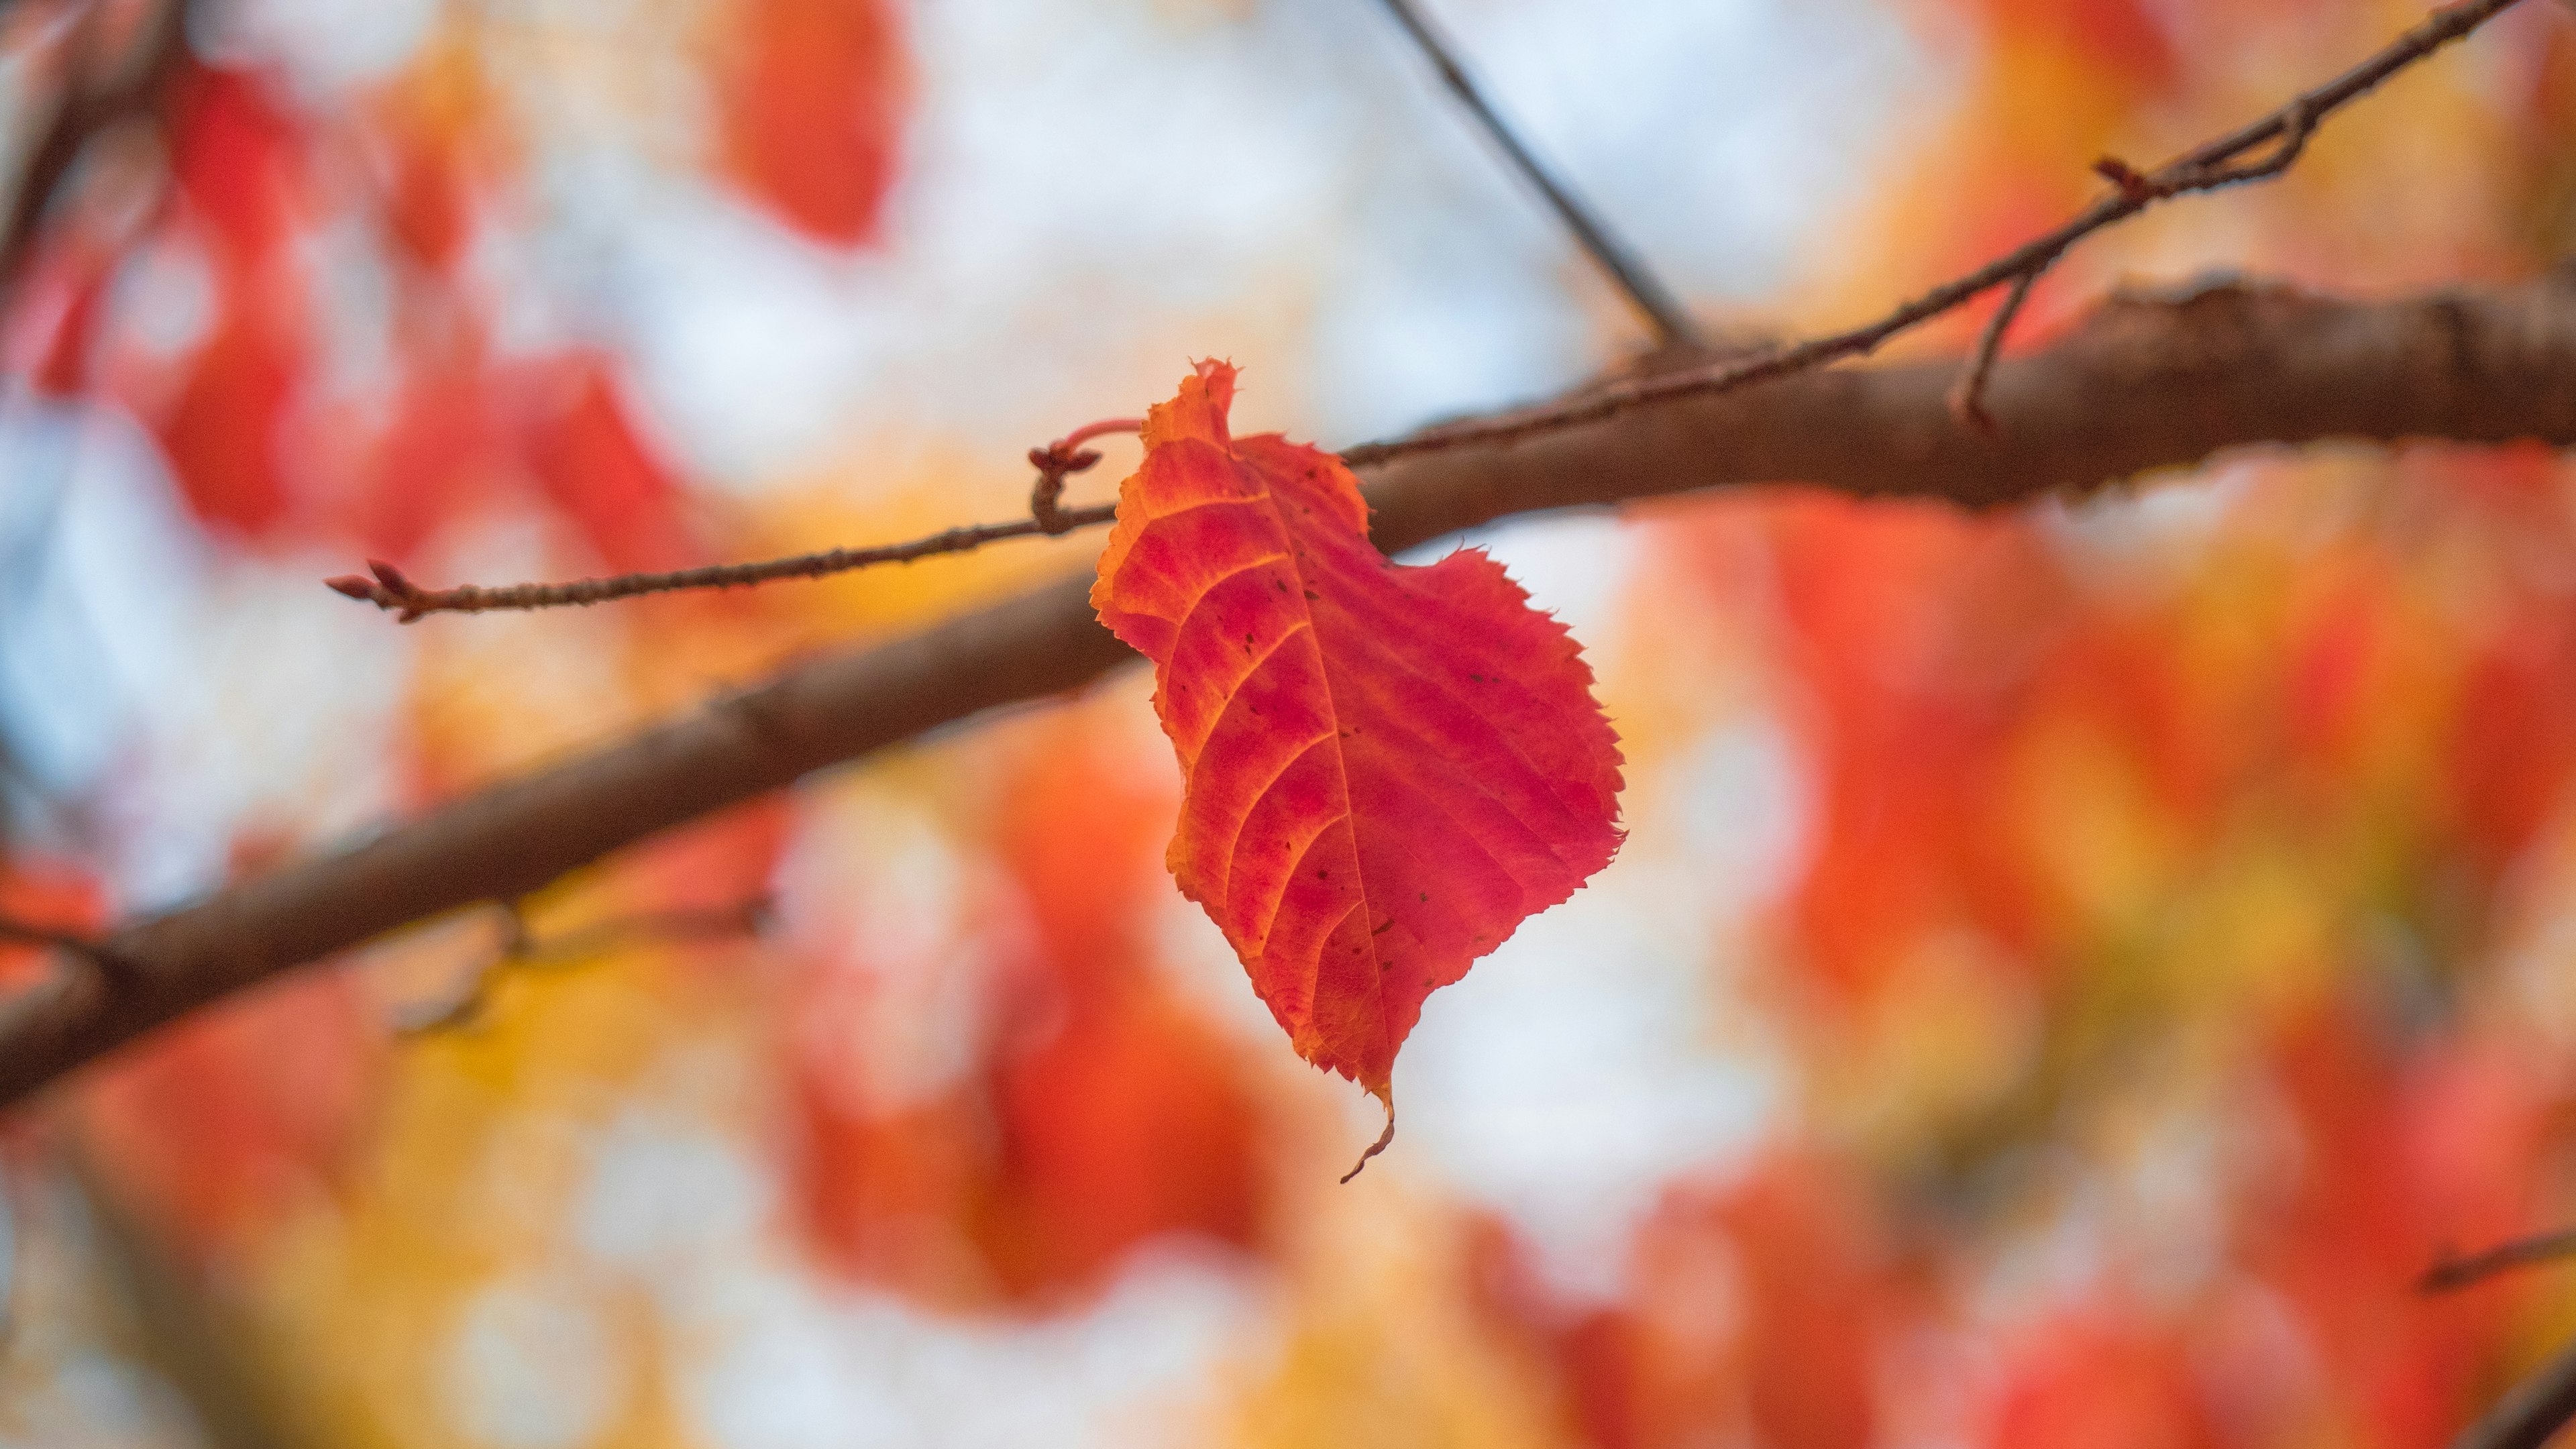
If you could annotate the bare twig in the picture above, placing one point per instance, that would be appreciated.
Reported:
(1968, 399)
(130, 88)
(2143, 383)
(390, 589)
(2452, 1274)
(665, 927)
(2212, 164)
(1652, 299)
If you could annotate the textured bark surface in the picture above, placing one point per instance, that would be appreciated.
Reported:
(2146, 382)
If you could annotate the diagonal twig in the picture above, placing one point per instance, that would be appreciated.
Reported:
(1968, 396)
(519, 952)
(2212, 164)
(2531, 1411)
(2452, 1274)
(1645, 292)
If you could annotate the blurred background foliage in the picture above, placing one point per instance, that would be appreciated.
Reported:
(2070, 973)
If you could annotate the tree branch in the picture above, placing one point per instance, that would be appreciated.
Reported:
(2531, 1411)
(1653, 301)
(2143, 383)
(2213, 164)
(2453, 1274)
(2206, 167)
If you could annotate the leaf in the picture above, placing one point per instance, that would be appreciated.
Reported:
(1386, 769)
(594, 464)
(812, 104)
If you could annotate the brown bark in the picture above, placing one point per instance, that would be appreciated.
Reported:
(2144, 383)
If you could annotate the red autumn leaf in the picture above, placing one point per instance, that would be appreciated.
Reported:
(1386, 768)
(238, 158)
(222, 431)
(812, 109)
(594, 465)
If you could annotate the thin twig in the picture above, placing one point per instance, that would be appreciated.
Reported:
(2206, 167)
(1652, 299)
(2452, 1274)
(2531, 1411)
(677, 924)
(1968, 398)
(390, 589)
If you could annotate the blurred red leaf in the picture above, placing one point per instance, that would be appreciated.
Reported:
(238, 155)
(223, 429)
(1102, 1110)
(238, 159)
(2100, 1378)
(811, 109)
(223, 1120)
(1386, 769)
(586, 452)
(49, 897)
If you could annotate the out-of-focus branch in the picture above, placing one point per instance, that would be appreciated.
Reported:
(665, 927)
(2143, 383)
(185, 1330)
(2212, 164)
(1652, 299)
(2452, 1274)
(2534, 1410)
(99, 92)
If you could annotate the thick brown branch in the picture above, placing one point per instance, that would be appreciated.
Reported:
(2144, 383)
(2206, 167)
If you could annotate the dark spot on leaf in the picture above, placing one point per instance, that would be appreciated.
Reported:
(1326, 874)
(1310, 593)
(1382, 928)
(1426, 898)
